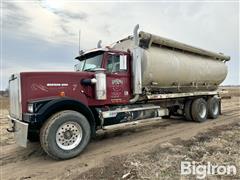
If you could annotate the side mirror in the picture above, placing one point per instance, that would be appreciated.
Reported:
(77, 67)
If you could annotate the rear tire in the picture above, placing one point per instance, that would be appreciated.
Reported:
(65, 134)
(213, 107)
(187, 110)
(199, 110)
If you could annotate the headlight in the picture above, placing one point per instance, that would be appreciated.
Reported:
(30, 108)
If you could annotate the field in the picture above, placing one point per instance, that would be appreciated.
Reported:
(147, 150)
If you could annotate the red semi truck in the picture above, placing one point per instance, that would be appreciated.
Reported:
(141, 76)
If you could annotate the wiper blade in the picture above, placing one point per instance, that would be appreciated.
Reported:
(90, 69)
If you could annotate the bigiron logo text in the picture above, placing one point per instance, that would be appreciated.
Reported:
(202, 170)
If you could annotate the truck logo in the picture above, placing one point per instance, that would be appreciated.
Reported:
(36, 87)
(57, 84)
(117, 82)
(117, 85)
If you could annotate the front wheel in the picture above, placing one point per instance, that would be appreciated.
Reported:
(65, 134)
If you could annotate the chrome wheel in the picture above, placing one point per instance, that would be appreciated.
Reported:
(69, 135)
(202, 110)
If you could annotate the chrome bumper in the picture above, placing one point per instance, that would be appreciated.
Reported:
(20, 130)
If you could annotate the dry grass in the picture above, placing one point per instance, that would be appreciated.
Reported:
(4, 102)
(218, 146)
(232, 91)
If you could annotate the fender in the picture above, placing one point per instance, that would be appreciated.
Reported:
(64, 103)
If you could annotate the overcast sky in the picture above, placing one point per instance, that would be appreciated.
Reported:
(43, 35)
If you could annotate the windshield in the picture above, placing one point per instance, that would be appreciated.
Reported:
(90, 61)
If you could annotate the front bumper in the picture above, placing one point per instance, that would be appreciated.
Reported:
(20, 130)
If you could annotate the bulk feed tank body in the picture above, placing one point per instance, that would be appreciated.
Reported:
(174, 66)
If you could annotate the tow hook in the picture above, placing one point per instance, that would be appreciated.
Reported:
(11, 130)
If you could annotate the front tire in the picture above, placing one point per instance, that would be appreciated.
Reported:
(65, 134)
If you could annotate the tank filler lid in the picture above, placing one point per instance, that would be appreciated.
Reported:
(147, 39)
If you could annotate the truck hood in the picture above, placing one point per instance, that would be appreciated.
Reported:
(38, 85)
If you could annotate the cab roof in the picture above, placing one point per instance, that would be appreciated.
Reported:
(88, 52)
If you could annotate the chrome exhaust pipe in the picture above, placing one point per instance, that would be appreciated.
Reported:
(135, 35)
(136, 67)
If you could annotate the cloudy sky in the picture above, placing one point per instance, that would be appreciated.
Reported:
(43, 35)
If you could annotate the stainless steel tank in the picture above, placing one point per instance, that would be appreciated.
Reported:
(174, 66)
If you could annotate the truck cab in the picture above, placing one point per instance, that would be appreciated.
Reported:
(115, 87)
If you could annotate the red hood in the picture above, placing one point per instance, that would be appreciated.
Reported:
(38, 85)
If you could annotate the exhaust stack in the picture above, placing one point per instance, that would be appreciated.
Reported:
(136, 66)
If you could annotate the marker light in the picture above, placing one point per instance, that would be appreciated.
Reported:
(62, 93)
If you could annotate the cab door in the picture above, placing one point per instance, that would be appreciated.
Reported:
(118, 78)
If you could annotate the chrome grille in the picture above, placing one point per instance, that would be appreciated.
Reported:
(15, 96)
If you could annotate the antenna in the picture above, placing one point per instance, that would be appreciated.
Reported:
(99, 44)
(79, 41)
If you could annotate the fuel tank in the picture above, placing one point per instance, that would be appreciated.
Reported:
(173, 66)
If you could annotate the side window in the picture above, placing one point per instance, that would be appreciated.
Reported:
(113, 64)
(110, 63)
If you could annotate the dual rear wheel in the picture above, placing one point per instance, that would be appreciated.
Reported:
(199, 109)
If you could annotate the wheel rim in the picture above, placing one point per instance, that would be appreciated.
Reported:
(69, 135)
(202, 110)
(215, 108)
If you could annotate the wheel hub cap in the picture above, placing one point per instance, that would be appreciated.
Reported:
(69, 135)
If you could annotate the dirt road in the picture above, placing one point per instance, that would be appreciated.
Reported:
(33, 163)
